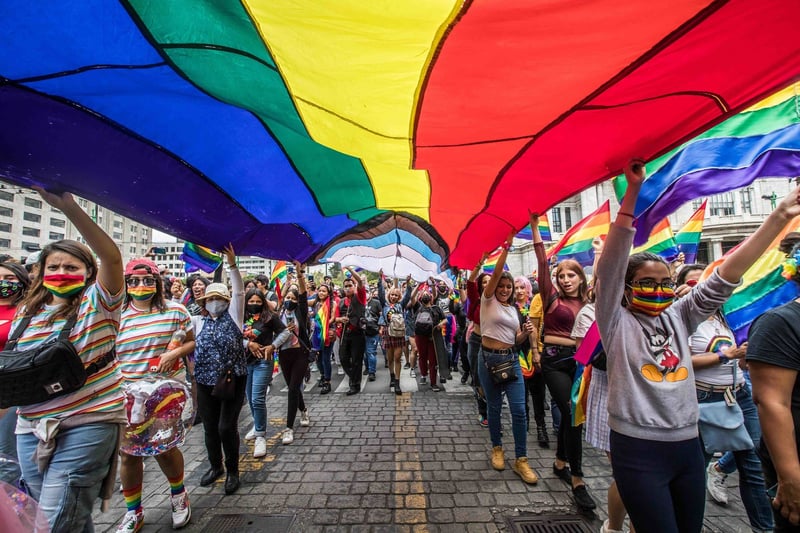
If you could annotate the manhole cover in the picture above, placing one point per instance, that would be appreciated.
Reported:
(249, 523)
(549, 524)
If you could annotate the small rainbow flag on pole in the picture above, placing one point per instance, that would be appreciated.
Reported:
(577, 242)
(688, 238)
(491, 262)
(544, 230)
(279, 273)
(762, 287)
(661, 242)
(200, 258)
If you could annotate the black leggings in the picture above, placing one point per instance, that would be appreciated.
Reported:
(662, 484)
(534, 386)
(294, 365)
(221, 424)
(559, 377)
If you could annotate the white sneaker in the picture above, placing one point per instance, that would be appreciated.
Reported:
(604, 528)
(131, 522)
(181, 510)
(340, 371)
(413, 373)
(715, 483)
(314, 369)
(305, 421)
(288, 436)
(260, 449)
(251, 435)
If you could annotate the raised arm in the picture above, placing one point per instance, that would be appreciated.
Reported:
(356, 277)
(743, 257)
(381, 290)
(236, 308)
(498, 269)
(542, 266)
(109, 273)
(301, 277)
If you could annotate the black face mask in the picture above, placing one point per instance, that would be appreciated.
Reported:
(290, 305)
(253, 309)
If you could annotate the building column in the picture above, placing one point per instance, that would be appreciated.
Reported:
(716, 250)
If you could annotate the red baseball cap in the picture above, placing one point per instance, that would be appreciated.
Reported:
(141, 263)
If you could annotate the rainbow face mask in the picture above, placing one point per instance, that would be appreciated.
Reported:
(651, 303)
(141, 292)
(64, 285)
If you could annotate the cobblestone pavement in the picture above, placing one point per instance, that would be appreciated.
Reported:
(380, 462)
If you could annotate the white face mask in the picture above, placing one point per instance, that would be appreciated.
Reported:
(216, 307)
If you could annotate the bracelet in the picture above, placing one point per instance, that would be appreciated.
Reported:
(623, 213)
(723, 360)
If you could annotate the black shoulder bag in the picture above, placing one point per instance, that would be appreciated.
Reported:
(39, 374)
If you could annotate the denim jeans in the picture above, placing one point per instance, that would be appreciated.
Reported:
(259, 377)
(473, 348)
(515, 393)
(9, 469)
(371, 352)
(324, 356)
(751, 478)
(67, 489)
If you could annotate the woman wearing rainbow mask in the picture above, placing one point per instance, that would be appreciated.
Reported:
(67, 446)
(145, 342)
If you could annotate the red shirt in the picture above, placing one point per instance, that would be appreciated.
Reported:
(7, 313)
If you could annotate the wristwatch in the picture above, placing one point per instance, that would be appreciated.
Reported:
(723, 360)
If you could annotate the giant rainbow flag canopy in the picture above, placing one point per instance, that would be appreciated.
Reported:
(393, 134)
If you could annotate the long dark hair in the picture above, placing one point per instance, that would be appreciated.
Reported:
(158, 301)
(508, 276)
(38, 296)
(190, 281)
(265, 311)
(22, 276)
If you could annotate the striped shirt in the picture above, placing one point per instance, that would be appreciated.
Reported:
(93, 336)
(145, 334)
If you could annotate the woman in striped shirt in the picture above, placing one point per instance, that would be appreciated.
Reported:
(149, 322)
(75, 435)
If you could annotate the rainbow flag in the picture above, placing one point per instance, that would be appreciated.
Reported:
(544, 230)
(278, 276)
(763, 140)
(199, 257)
(491, 262)
(688, 238)
(762, 287)
(322, 320)
(577, 242)
(661, 242)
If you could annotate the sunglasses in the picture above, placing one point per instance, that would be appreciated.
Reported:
(146, 282)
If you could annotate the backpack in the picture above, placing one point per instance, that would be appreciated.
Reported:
(424, 323)
(397, 324)
(371, 326)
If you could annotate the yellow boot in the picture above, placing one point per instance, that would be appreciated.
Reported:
(498, 459)
(524, 470)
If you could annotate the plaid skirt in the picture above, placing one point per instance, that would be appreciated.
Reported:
(393, 342)
(597, 431)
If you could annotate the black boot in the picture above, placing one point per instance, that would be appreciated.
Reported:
(541, 436)
(211, 476)
(397, 390)
(326, 387)
(231, 483)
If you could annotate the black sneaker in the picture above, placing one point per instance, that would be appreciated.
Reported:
(231, 483)
(582, 498)
(464, 379)
(564, 474)
(366, 372)
(353, 391)
(407, 365)
(371, 377)
(436, 388)
(542, 437)
(326, 388)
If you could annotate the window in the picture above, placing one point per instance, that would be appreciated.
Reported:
(30, 232)
(57, 222)
(133, 228)
(5, 243)
(117, 236)
(555, 220)
(5, 227)
(132, 249)
(6, 212)
(56, 236)
(7, 196)
(722, 204)
(33, 202)
(118, 224)
(32, 217)
(82, 202)
(30, 246)
(567, 218)
(746, 196)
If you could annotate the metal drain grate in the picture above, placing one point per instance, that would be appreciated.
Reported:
(249, 523)
(549, 524)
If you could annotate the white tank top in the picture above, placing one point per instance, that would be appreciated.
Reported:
(499, 322)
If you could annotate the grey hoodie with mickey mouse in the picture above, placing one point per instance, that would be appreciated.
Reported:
(650, 378)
